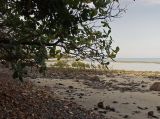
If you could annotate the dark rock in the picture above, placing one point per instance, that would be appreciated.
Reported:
(126, 103)
(94, 78)
(95, 108)
(125, 116)
(103, 112)
(143, 86)
(114, 102)
(60, 84)
(158, 108)
(100, 105)
(68, 91)
(81, 94)
(142, 108)
(136, 112)
(70, 87)
(150, 114)
(72, 98)
(155, 86)
(108, 108)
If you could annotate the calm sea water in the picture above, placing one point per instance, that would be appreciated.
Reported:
(136, 64)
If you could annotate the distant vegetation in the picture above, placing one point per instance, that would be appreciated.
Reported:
(76, 64)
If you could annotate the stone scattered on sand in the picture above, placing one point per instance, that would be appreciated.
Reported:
(108, 108)
(142, 108)
(60, 84)
(158, 108)
(103, 112)
(94, 78)
(150, 114)
(114, 102)
(155, 86)
(125, 116)
(70, 87)
(100, 105)
(136, 112)
(143, 86)
(95, 108)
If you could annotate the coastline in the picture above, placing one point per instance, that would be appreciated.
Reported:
(125, 94)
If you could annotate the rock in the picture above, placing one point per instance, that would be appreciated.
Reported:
(125, 103)
(143, 86)
(158, 108)
(95, 108)
(155, 86)
(94, 78)
(150, 114)
(60, 84)
(136, 112)
(110, 109)
(68, 91)
(125, 116)
(70, 87)
(114, 102)
(72, 98)
(100, 105)
(103, 112)
(81, 94)
(142, 108)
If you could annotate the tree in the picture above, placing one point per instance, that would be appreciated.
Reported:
(30, 29)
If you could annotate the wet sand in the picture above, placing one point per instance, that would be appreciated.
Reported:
(128, 96)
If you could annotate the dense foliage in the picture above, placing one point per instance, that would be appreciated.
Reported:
(30, 30)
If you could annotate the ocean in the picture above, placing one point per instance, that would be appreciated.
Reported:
(136, 64)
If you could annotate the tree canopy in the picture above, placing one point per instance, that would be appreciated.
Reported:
(32, 29)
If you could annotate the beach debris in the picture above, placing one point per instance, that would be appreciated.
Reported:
(60, 84)
(155, 86)
(125, 116)
(94, 78)
(102, 111)
(151, 114)
(70, 87)
(142, 108)
(108, 108)
(125, 103)
(95, 108)
(143, 86)
(100, 105)
(136, 112)
(114, 102)
(68, 91)
(158, 108)
(72, 98)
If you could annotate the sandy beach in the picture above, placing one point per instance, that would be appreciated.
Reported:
(123, 95)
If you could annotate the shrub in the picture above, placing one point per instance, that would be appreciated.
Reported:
(80, 65)
(61, 64)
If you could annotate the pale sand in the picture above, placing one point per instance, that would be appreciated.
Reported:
(128, 95)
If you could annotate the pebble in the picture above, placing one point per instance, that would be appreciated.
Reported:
(100, 105)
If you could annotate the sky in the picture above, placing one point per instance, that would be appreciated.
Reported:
(137, 32)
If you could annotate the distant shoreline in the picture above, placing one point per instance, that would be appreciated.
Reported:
(137, 62)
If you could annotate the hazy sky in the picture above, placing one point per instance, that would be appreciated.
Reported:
(137, 32)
